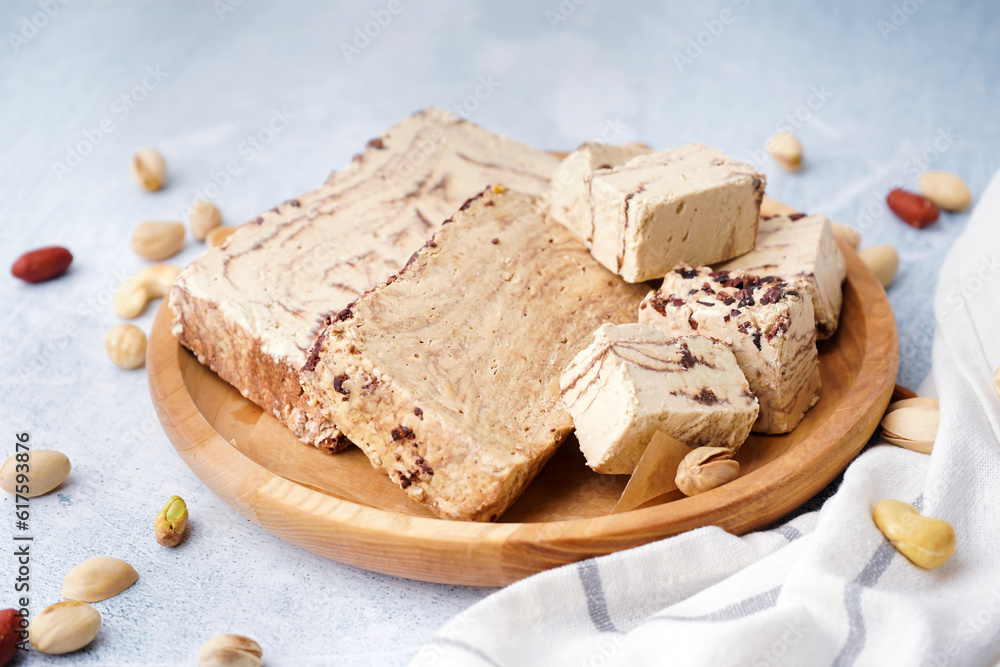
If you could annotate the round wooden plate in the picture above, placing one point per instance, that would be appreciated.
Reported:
(340, 507)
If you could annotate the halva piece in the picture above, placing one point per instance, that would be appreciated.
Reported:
(688, 205)
(569, 205)
(447, 375)
(252, 309)
(635, 379)
(768, 324)
(799, 246)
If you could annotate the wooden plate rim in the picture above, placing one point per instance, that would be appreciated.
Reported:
(246, 485)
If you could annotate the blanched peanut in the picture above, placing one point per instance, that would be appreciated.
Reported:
(946, 190)
(883, 260)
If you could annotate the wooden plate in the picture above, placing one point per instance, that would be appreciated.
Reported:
(340, 507)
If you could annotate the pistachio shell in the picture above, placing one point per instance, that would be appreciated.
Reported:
(64, 627)
(98, 578)
(917, 424)
(920, 446)
(46, 470)
(706, 468)
(148, 169)
(230, 651)
(919, 401)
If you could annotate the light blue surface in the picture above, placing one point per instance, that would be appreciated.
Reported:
(879, 98)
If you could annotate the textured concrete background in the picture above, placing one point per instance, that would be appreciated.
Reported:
(877, 91)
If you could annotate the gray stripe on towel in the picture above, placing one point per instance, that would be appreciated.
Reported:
(856, 634)
(790, 533)
(868, 577)
(741, 609)
(593, 589)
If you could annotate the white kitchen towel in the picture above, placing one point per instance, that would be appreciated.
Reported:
(823, 589)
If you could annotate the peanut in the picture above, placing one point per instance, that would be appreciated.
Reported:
(157, 241)
(34, 473)
(43, 264)
(64, 627)
(126, 346)
(946, 190)
(10, 627)
(203, 217)
(230, 651)
(148, 169)
(153, 282)
(786, 150)
(883, 260)
(913, 209)
(926, 542)
(97, 579)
